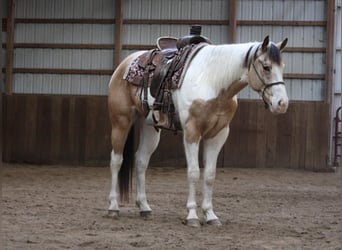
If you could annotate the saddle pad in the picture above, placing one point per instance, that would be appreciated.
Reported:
(134, 72)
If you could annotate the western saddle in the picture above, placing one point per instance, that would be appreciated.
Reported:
(161, 71)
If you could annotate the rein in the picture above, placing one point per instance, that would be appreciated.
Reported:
(265, 86)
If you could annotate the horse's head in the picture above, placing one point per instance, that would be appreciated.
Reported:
(265, 74)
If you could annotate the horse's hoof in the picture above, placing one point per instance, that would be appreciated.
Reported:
(192, 222)
(215, 222)
(113, 214)
(146, 214)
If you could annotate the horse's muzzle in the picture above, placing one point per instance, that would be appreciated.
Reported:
(279, 105)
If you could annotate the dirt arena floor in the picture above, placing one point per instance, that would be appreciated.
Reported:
(63, 207)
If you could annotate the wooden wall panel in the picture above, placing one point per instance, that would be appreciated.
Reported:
(297, 139)
(56, 130)
(44, 129)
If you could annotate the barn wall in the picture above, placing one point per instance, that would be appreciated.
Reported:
(99, 31)
(76, 130)
(72, 34)
(80, 42)
(48, 129)
(312, 35)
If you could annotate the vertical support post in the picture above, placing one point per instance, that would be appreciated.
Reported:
(118, 32)
(329, 71)
(329, 50)
(232, 21)
(1, 118)
(9, 47)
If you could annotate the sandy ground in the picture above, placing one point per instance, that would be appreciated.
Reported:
(62, 207)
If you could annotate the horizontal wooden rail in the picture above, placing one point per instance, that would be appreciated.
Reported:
(62, 71)
(305, 49)
(280, 23)
(131, 47)
(304, 76)
(60, 46)
(110, 72)
(66, 20)
(163, 21)
(176, 21)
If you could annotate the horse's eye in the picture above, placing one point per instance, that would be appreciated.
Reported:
(267, 68)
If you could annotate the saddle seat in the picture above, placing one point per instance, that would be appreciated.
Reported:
(168, 42)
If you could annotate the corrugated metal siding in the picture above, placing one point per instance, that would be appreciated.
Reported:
(61, 84)
(64, 33)
(303, 63)
(64, 9)
(145, 34)
(178, 9)
(63, 58)
(281, 10)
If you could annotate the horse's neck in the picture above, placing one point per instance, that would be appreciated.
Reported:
(225, 65)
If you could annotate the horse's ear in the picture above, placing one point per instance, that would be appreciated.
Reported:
(265, 44)
(281, 45)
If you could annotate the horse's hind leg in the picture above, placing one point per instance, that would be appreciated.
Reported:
(119, 135)
(211, 149)
(148, 142)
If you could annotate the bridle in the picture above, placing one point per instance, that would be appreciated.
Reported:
(265, 86)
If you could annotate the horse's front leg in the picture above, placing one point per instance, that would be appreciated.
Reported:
(191, 146)
(211, 149)
(148, 142)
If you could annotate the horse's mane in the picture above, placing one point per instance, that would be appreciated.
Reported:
(221, 65)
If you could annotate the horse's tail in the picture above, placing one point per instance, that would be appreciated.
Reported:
(125, 173)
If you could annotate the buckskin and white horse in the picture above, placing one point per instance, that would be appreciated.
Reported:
(206, 102)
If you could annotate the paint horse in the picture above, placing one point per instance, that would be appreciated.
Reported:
(206, 102)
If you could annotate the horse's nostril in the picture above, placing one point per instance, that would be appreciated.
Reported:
(280, 102)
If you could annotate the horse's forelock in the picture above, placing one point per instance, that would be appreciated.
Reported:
(274, 53)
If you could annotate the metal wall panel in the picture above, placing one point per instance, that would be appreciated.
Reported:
(299, 36)
(65, 9)
(144, 34)
(147, 34)
(63, 58)
(281, 10)
(61, 84)
(64, 33)
(178, 9)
